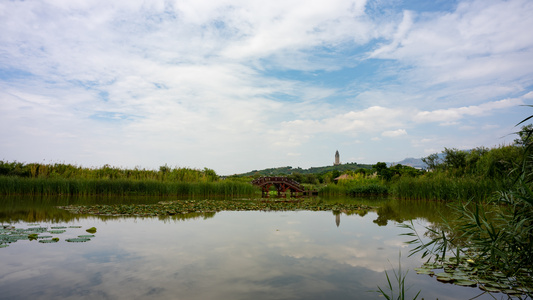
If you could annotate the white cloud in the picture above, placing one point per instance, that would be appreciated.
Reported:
(220, 83)
(454, 114)
(394, 133)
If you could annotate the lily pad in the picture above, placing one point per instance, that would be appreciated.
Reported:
(483, 281)
(86, 236)
(91, 230)
(444, 277)
(524, 289)
(58, 227)
(425, 271)
(74, 227)
(465, 283)
(496, 285)
(56, 231)
(78, 240)
(432, 266)
(489, 289)
(4, 245)
(459, 273)
(48, 241)
(511, 292)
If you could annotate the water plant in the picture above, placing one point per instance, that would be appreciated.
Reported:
(494, 239)
(399, 279)
(91, 230)
(78, 240)
(10, 185)
(11, 234)
(168, 208)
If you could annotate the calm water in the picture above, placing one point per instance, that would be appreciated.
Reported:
(227, 255)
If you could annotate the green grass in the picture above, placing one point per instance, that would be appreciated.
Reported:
(359, 186)
(11, 185)
(446, 188)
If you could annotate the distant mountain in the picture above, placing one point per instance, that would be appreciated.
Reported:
(412, 162)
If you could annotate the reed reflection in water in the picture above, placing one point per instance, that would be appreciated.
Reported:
(228, 255)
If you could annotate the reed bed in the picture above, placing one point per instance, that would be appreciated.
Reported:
(58, 170)
(356, 186)
(12, 185)
(368, 189)
(445, 188)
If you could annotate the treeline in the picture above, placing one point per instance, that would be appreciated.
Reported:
(65, 179)
(318, 172)
(320, 178)
(497, 239)
(454, 174)
(464, 175)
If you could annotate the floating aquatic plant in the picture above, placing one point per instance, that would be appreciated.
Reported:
(91, 230)
(10, 234)
(204, 206)
(78, 240)
(49, 241)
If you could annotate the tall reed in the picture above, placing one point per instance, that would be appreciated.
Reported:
(11, 185)
(442, 187)
(58, 170)
(356, 185)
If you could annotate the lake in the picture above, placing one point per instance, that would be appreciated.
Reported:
(223, 255)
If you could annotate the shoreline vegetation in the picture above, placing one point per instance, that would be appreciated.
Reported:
(489, 241)
(69, 180)
(453, 175)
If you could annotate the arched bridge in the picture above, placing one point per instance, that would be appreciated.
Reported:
(282, 184)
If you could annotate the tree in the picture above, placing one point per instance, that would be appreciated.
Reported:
(383, 171)
(526, 135)
(455, 159)
(433, 161)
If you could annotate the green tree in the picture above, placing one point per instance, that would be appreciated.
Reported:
(525, 135)
(455, 160)
(383, 171)
(433, 161)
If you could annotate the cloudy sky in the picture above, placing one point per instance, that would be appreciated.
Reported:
(237, 85)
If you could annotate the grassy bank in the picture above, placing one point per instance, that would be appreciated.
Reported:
(438, 186)
(356, 185)
(12, 185)
(446, 188)
(455, 175)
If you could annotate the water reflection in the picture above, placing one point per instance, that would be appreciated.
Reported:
(227, 255)
(37, 208)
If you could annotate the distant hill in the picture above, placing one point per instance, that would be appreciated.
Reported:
(412, 162)
(313, 170)
(280, 171)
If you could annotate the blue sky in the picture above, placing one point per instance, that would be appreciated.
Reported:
(238, 85)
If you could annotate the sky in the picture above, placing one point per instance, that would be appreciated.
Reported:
(241, 85)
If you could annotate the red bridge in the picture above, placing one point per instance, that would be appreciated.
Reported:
(282, 184)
